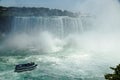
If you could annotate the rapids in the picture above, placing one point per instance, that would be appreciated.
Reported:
(65, 48)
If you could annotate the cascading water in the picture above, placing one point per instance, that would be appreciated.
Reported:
(65, 48)
(54, 43)
(60, 26)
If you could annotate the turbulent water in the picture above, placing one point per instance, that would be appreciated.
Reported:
(65, 48)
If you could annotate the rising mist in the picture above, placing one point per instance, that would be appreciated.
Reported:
(69, 48)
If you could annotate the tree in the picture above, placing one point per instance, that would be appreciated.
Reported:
(115, 75)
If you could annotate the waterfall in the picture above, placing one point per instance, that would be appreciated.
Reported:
(58, 25)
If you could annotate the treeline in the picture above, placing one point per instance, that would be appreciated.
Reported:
(115, 75)
(34, 11)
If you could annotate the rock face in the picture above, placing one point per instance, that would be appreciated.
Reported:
(115, 75)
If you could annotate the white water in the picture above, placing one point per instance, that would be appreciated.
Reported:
(60, 26)
(83, 47)
(87, 54)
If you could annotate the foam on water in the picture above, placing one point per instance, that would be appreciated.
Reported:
(76, 57)
(64, 48)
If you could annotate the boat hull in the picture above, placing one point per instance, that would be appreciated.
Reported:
(26, 69)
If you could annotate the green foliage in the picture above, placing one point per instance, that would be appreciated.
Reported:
(115, 75)
(33, 11)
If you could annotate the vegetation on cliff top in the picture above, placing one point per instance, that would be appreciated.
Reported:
(115, 75)
(34, 11)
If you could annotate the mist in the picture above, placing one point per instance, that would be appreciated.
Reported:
(102, 40)
(81, 54)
